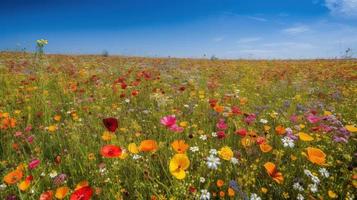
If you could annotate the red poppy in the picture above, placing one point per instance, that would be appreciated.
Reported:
(123, 85)
(110, 151)
(242, 132)
(236, 110)
(48, 195)
(213, 102)
(84, 193)
(135, 92)
(111, 124)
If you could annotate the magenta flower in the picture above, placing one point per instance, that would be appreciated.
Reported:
(30, 139)
(313, 118)
(28, 128)
(34, 163)
(168, 121)
(221, 125)
(294, 118)
(176, 128)
(250, 118)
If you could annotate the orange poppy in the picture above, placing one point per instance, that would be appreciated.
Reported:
(48, 195)
(218, 108)
(24, 185)
(13, 177)
(280, 130)
(272, 171)
(61, 192)
(265, 147)
(148, 146)
(179, 146)
(316, 156)
(220, 183)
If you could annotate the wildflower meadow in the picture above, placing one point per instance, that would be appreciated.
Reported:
(95, 127)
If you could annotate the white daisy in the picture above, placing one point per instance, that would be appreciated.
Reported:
(194, 149)
(324, 172)
(212, 162)
(205, 195)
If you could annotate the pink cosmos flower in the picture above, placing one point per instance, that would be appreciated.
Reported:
(18, 134)
(34, 163)
(250, 118)
(313, 118)
(168, 121)
(28, 128)
(176, 128)
(30, 139)
(221, 125)
(294, 118)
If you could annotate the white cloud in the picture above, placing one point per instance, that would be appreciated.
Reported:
(218, 39)
(296, 29)
(345, 8)
(248, 40)
(261, 19)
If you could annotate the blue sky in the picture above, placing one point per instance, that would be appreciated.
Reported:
(183, 28)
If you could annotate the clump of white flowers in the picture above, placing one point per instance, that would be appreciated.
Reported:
(41, 43)
(288, 142)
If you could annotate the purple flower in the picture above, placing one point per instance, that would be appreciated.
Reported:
(11, 197)
(59, 179)
(250, 118)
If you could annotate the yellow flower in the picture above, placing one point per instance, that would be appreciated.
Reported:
(327, 113)
(123, 155)
(332, 194)
(178, 164)
(305, 137)
(107, 136)
(91, 156)
(24, 185)
(61, 192)
(247, 141)
(264, 190)
(52, 128)
(183, 124)
(266, 128)
(133, 148)
(123, 130)
(225, 153)
(351, 128)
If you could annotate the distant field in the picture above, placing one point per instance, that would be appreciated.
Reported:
(81, 127)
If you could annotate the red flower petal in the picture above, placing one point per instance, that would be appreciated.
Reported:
(111, 124)
(83, 193)
(110, 151)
